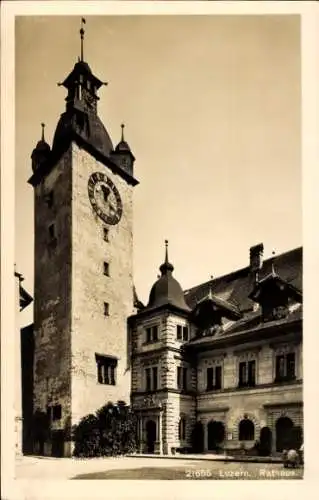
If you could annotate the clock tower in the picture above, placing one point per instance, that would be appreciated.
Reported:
(84, 292)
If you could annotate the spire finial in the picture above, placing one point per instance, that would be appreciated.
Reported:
(42, 136)
(82, 36)
(273, 253)
(166, 251)
(122, 133)
(166, 267)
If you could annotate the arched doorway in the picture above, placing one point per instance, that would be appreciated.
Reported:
(198, 438)
(283, 433)
(150, 435)
(246, 430)
(215, 434)
(265, 442)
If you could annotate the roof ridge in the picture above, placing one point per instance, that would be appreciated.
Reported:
(239, 271)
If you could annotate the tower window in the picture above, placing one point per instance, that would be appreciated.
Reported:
(152, 334)
(185, 333)
(106, 269)
(50, 199)
(105, 234)
(57, 412)
(106, 369)
(181, 332)
(106, 309)
(151, 378)
(51, 231)
(181, 378)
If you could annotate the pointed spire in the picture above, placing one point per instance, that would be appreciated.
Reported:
(166, 267)
(122, 132)
(42, 136)
(273, 272)
(82, 36)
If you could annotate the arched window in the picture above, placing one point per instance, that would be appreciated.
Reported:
(246, 430)
(182, 429)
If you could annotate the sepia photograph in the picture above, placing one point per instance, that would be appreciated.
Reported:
(158, 254)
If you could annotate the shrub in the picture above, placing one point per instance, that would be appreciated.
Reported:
(111, 431)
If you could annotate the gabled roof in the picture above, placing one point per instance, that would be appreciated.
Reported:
(276, 282)
(227, 309)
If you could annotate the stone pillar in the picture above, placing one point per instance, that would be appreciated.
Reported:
(160, 434)
(141, 440)
(205, 436)
(157, 442)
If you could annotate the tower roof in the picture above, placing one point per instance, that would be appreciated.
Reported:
(94, 133)
(42, 145)
(123, 146)
(81, 124)
(167, 290)
(80, 118)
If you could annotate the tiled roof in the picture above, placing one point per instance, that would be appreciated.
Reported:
(236, 286)
(251, 325)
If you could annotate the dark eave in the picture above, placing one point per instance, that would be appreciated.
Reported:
(291, 290)
(148, 311)
(40, 173)
(227, 309)
(81, 69)
(267, 331)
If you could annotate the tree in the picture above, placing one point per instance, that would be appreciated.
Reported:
(111, 431)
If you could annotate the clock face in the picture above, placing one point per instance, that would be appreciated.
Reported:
(105, 198)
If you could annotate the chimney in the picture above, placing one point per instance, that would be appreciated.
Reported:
(255, 260)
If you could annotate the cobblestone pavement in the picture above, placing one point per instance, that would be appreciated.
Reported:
(146, 468)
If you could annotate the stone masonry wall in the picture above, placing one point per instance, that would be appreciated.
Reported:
(175, 404)
(92, 331)
(264, 403)
(265, 363)
(52, 299)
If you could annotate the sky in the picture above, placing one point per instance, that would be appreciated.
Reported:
(212, 107)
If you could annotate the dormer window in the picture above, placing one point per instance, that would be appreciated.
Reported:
(274, 295)
(209, 313)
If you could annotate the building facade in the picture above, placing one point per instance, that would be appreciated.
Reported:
(219, 366)
(22, 300)
(207, 368)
